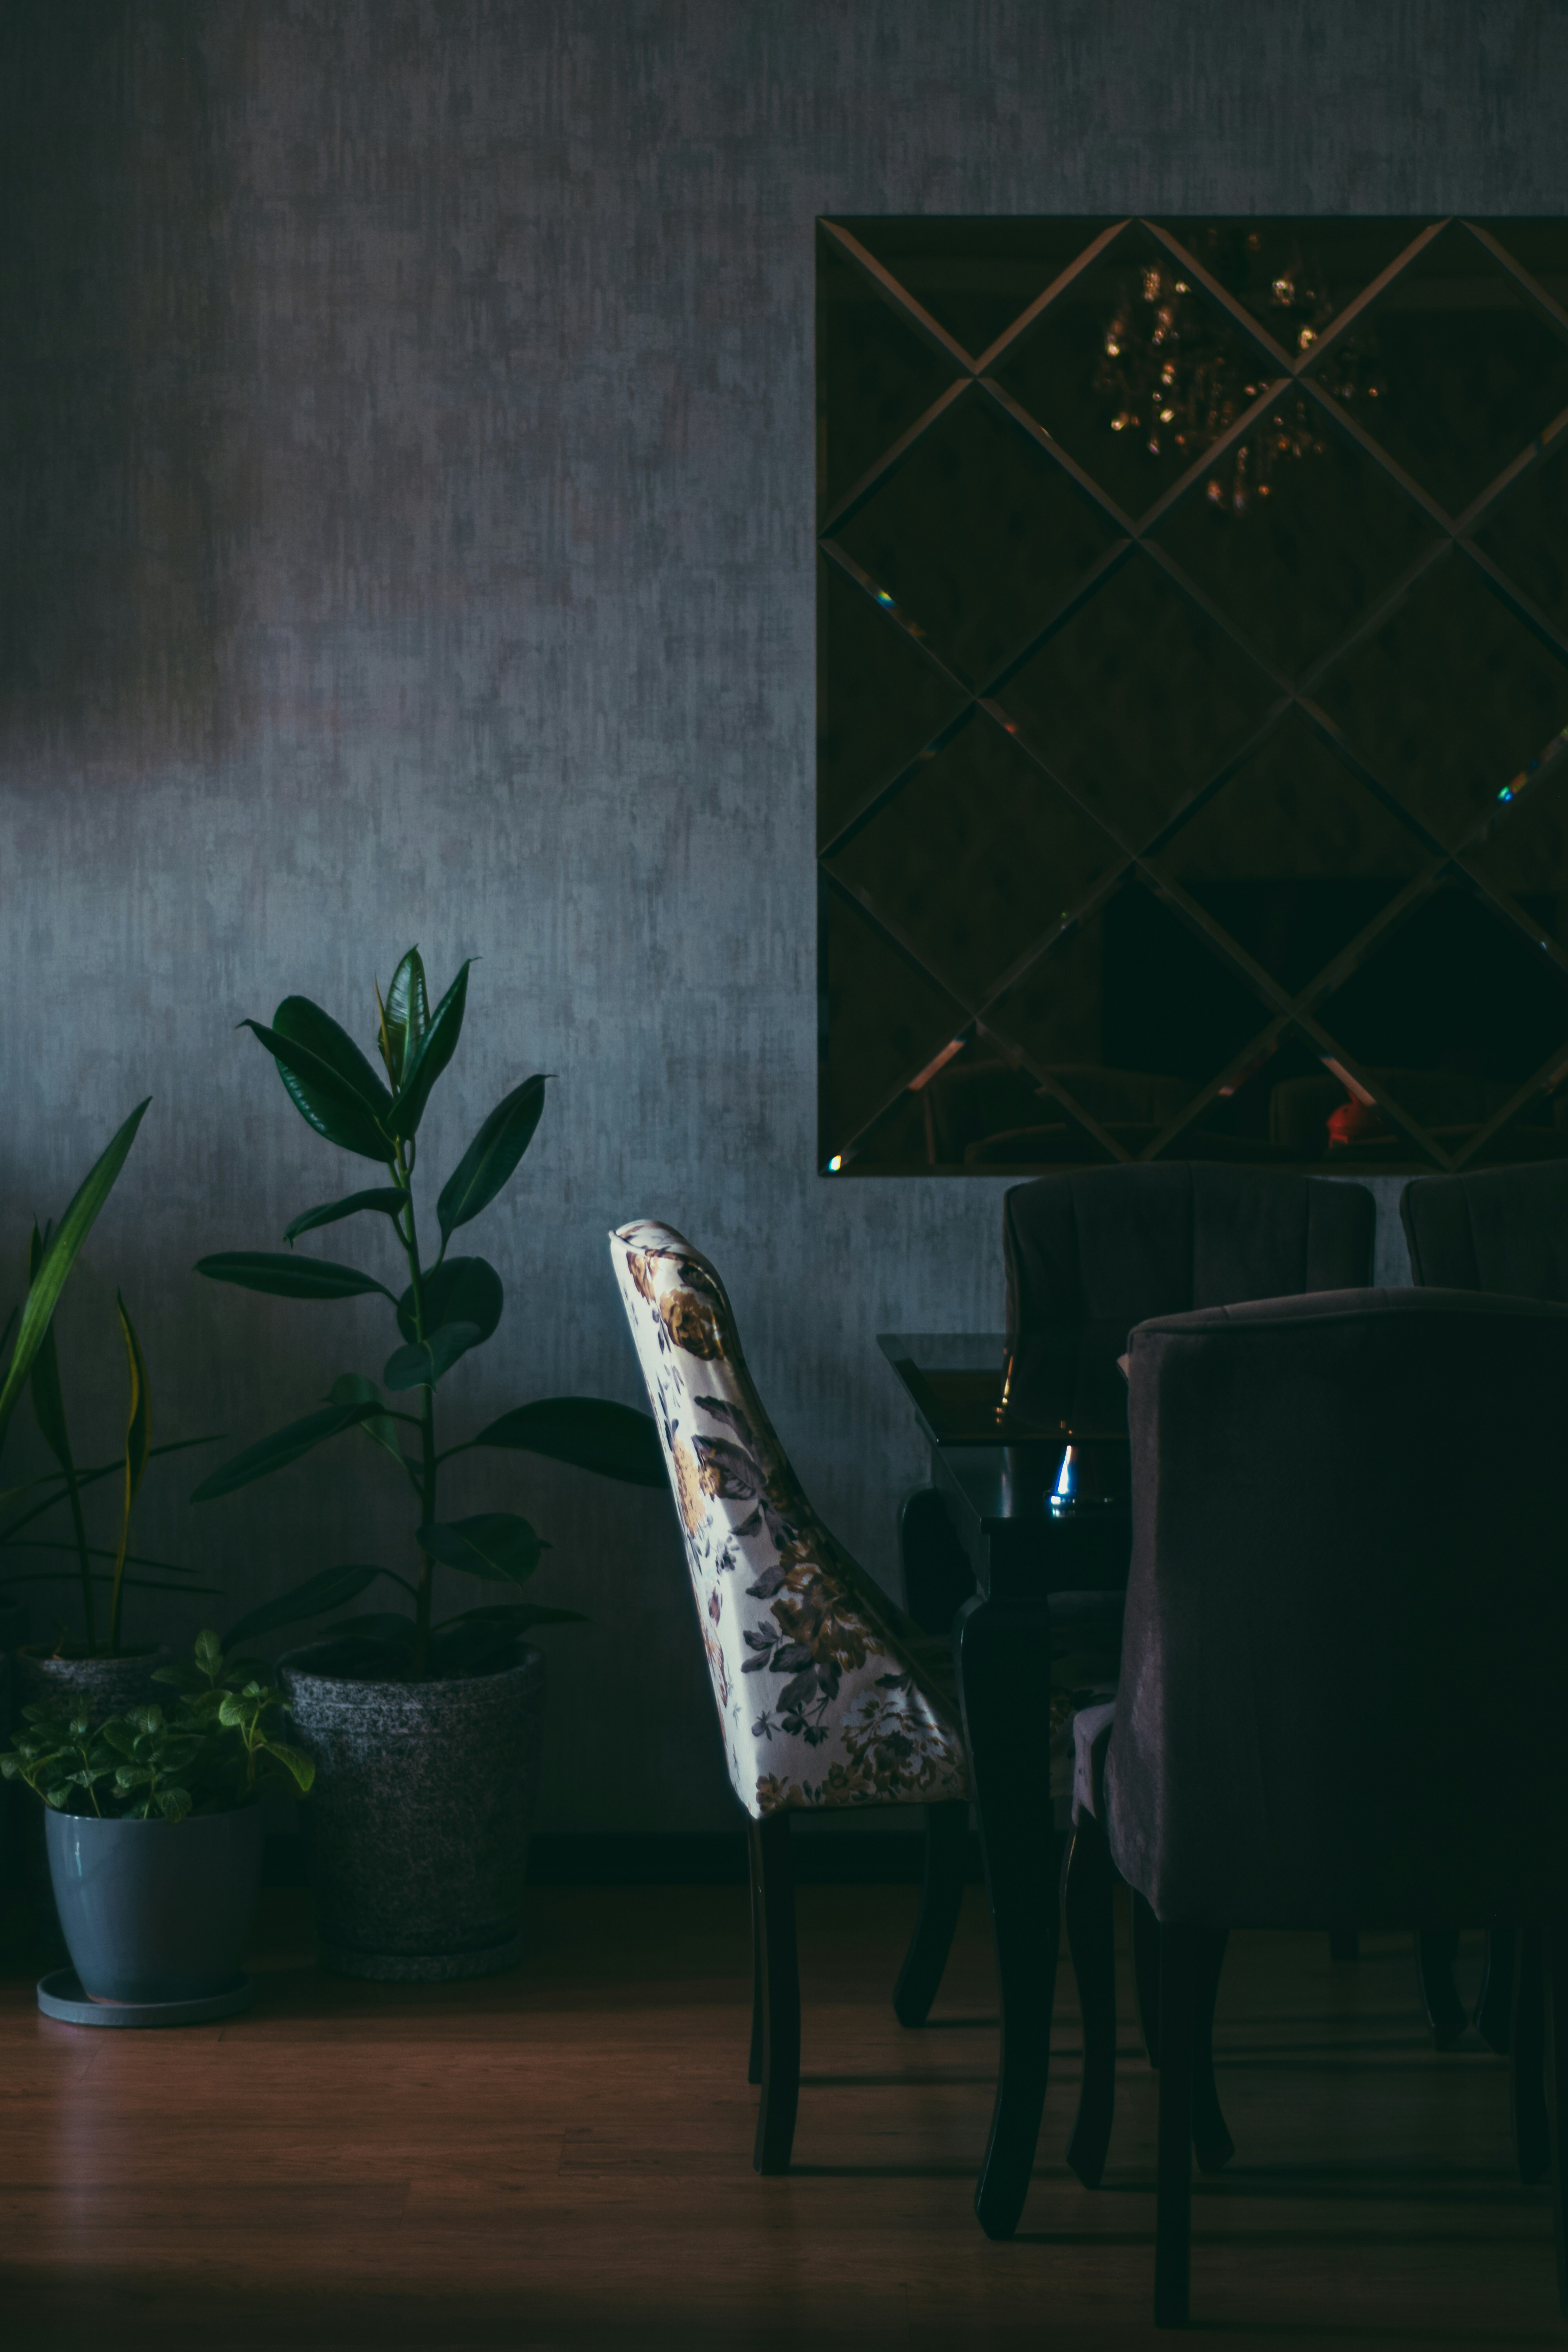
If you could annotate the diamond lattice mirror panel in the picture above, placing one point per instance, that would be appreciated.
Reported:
(1192, 692)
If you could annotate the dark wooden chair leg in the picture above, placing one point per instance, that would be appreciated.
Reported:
(774, 1917)
(1180, 1968)
(1494, 2004)
(1003, 1653)
(754, 2062)
(1437, 1948)
(1146, 1974)
(1557, 2087)
(1089, 1882)
(1527, 2058)
(1212, 2143)
(942, 1896)
(1344, 1944)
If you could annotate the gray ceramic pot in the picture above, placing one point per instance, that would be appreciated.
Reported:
(104, 1686)
(418, 1823)
(156, 1910)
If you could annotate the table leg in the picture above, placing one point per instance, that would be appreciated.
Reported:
(1003, 1653)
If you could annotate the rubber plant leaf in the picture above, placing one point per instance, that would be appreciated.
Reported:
(495, 1543)
(422, 1362)
(387, 1198)
(358, 1387)
(590, 1432)
(304, 1023)
(60, 1255)
(429, 1057)
(276, 1452)
(137, 1447)
(322, 1097)
(407, 1016)
(282, 1276)
(489, 1159)
(461, 1290)
(326, 1590)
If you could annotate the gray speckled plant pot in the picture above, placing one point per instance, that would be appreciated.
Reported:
(104, 1686)
(418, 1823)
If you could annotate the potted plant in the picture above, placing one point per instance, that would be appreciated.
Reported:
(154, 1829)
(90, 1664)
(424, 1726)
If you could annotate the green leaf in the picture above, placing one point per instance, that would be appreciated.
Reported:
(496, 1543)
(491, 1156)
(463, 1290)
(323, 1099)
(408, 1013)
(358, 1387)
(423, 1361)
(590, 1432)
(138, 1422)
(209, 1652)
(328, 1589)
(275, 1452)
(43, 1381)
(294, 1760)
(288, 1278)
(518, 1615)
(387, 1198)
(430, 1057)
(174, 1804)
(60, 1256)
(304, 1023)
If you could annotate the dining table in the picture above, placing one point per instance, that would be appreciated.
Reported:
(1018, 1546)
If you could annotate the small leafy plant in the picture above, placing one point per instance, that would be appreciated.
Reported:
(449, 1306)
(213, 1753)
(35, 1364)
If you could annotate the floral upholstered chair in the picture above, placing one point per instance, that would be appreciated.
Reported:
(828, 1694)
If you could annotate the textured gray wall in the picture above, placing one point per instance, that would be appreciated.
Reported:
(407, 530)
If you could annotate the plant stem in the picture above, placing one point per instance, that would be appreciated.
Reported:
(422, 1597)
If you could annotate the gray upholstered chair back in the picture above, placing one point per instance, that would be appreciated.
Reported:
(1347, 1614)
(1103, 1249)
(1504, 1229)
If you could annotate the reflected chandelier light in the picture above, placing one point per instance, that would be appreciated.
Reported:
(1167, 376)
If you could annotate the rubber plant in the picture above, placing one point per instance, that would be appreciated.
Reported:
(449, 1306)
(35, 1365)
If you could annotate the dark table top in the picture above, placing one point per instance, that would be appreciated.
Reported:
(997, 1461)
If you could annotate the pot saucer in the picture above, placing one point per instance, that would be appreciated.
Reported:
(60, 1996)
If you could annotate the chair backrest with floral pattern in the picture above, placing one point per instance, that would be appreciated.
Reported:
(827, 1694)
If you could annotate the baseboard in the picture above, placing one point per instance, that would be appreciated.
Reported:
(688, 1858)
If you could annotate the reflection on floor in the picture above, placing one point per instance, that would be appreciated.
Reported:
(561, 2158)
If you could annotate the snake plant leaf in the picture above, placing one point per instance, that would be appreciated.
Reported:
(590, 1432)
(492, 1155)
(288, 1278)
(408, 1013)
(60, 1255)
(276, 1452)
(494, 1544)
(138, 1446)
(324, 1098)
(44, 1381)
(429, 1057)
(328, 1589)
(462, 1290)
(388, 1197)
(139, 1424)
(422, 1362)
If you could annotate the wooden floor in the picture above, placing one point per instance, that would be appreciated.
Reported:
(561, 2158)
